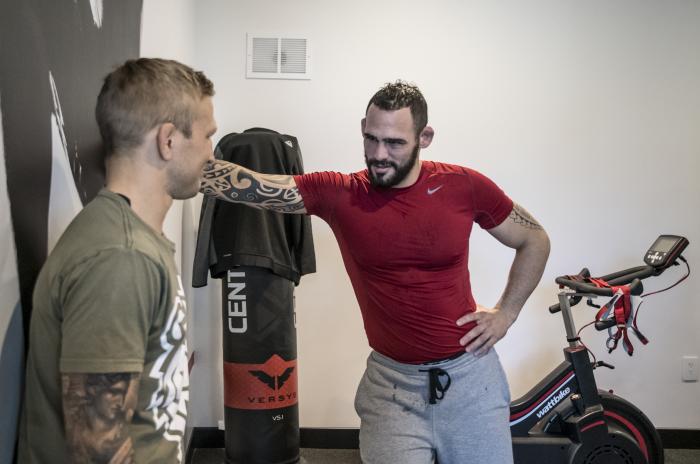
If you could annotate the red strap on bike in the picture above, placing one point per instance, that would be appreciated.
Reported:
(622, 312)
(623, 309)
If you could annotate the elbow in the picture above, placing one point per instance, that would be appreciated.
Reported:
(547, 244)
(542, 244)
(537, 244)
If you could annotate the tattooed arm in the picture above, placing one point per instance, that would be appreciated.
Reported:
(523, 233)
(231, 182)
(97, 410)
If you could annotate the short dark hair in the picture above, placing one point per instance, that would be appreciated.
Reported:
(142, 93)
(401, 94)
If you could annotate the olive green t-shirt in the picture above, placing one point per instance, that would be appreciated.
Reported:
(108, 299)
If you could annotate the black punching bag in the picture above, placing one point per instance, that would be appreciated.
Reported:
(260, 367)
(260, 256)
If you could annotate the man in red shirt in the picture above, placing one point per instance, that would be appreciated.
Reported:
(403, 228)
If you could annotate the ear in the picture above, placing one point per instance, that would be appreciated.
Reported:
(165, 139)
(363, 123)
(426, 137)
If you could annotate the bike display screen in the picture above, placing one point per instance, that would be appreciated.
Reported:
(664, 244)
(665, 250)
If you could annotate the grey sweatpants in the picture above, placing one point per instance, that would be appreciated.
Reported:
(470, 424)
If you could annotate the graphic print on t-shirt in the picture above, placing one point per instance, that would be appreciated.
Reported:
(169, 401)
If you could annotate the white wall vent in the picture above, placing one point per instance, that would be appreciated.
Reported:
(275, 57)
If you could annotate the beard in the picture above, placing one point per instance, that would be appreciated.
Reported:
(399, 173)
(182, 185)
(183, 192)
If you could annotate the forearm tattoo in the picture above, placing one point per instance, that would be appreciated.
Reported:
(523, 218)
(97, 409)
(237, 184)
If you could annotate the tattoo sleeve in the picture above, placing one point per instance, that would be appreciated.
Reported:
(520, 216)
(97, 409)
(234, 183)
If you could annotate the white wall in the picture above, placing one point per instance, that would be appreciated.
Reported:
(586, 113)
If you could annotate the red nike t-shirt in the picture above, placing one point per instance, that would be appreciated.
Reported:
(406, 251)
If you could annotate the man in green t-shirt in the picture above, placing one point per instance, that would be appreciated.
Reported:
(107, 376)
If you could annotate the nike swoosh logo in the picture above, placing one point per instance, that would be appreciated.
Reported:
(433, 190)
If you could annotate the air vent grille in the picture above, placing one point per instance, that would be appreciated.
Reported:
(264, 55)
(277, 57)
(293, 58)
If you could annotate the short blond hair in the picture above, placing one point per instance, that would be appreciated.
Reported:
(142, 93)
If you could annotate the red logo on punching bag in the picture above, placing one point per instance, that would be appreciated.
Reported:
(271, 385)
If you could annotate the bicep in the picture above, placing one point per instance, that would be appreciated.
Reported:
(234, 183)
(97, 408)
(107, 305)
(518, 228)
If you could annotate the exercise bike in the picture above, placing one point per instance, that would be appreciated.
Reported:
(565, 418)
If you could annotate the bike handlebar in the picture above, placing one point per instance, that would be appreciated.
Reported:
(574, 299)
(631, 276)
(636, 287)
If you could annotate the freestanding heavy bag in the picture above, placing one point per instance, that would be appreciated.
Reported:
(260, 367)
(259, 255)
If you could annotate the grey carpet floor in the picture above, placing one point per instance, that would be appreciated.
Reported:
(682, 456)
(323, 456)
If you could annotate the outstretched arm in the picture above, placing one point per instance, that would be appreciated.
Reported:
(523, 233)
(234, 183)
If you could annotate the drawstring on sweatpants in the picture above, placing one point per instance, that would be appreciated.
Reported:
(436, 387)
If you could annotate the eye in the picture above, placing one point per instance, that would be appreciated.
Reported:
(395, 143)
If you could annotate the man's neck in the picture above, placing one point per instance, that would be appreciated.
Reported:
(148, 200)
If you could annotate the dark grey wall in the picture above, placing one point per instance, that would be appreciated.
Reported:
(78, 43)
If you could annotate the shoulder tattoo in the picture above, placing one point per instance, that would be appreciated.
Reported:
(237, 184)
(97, 409)
(520, 216)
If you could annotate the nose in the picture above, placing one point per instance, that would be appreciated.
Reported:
(381, 153)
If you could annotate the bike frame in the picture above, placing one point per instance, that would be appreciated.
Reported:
(559, 384)
(571, 386)
(565, 419)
